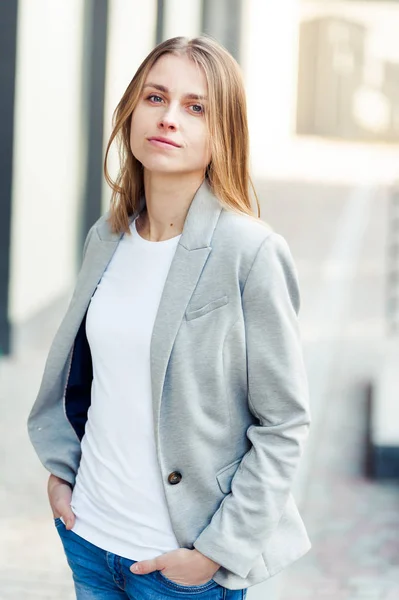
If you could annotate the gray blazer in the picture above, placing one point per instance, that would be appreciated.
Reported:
(229, 389)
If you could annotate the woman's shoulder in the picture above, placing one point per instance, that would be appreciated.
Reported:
(247, 241)
(245, 233)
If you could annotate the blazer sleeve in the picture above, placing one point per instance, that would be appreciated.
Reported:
(278, 398)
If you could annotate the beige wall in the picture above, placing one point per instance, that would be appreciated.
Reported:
(270, 63)
(349, 70)
(182, 18)
(46, 153)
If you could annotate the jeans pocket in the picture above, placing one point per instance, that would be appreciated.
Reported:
(185, 588)
(58, 523)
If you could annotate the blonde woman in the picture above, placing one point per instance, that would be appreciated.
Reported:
(173, 408)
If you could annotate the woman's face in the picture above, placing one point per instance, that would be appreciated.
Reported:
(172, 106)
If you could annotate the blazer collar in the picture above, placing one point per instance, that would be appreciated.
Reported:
(199, 224)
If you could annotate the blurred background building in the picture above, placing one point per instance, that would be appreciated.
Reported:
(322, 80)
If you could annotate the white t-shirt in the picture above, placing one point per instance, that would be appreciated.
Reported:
(118, 498)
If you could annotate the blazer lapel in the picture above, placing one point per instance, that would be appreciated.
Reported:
(188, 262)
(192, 252)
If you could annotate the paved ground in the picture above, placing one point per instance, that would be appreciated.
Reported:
(353, 523)
(337, 237)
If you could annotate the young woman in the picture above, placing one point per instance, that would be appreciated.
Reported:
(173, 408)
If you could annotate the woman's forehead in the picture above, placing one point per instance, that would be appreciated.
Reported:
(178, 74)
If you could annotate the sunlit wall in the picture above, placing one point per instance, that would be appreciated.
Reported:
(46, 152)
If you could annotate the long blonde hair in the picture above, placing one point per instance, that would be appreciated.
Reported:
(226, 117)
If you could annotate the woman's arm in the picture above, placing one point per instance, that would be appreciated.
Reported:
(278, 398)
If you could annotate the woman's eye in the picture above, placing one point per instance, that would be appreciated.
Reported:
(198, 106)
(154, 96)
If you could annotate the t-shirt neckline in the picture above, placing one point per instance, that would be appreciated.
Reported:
(142, 240)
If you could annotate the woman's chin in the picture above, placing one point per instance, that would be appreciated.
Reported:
(163, 169)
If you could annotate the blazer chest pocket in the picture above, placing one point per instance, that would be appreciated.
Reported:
(204, 310)
(225, 476)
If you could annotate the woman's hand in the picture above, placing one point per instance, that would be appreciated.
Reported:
(183, 566)
(60, 495)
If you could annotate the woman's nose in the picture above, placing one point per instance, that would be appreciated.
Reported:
(168, 121)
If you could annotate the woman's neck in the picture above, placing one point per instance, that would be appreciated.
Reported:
(167, 202)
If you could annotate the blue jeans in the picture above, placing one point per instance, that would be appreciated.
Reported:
(101, 575)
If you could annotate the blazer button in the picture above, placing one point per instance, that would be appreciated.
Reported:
(174, 477)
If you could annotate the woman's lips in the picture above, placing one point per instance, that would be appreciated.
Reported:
(161, 143)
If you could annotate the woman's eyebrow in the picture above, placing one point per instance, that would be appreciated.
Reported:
(164, 89)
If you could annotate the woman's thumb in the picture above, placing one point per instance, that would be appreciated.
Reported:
(68, 516)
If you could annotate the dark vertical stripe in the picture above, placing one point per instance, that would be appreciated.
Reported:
(93, 92)
(222, 20)
(160, 21)
(8, 47)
